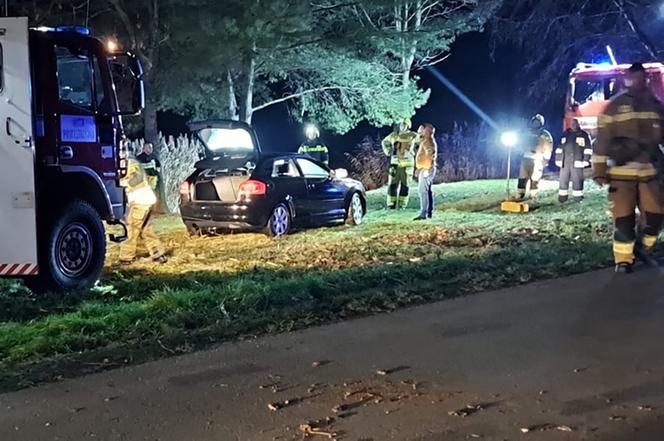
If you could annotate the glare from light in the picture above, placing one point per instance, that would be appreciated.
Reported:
(611, 55)
(111, 45)
(509, 139)
(311, 131)
(223, 138)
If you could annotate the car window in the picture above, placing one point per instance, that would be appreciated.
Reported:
(284, 168)
(74, 78)
(311, 169)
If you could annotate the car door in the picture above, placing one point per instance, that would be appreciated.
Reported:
(289, 185)
(324, 193)
(18, 231)
(86, 127)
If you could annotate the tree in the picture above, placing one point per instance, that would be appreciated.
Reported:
(554, 35)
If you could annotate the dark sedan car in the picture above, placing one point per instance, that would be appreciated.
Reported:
(237, 187)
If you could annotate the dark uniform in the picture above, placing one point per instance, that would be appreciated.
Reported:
(316, 149)
(141, 199)
(573, 156)
(627, 149)
(152, 167)
(539, 147)
(400, 147)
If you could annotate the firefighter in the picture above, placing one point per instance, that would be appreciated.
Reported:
(627, 149)
(400, 147)
(151, 165)
(313, 146)
(539, 149)
(141, 199)
(573, 156)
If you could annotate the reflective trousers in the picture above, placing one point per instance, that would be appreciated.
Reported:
(530, 171)
(567, 173)
(139, 226)
(397, 187)
(624, 197)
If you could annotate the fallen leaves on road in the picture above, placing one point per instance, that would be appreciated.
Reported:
(545, 427)
(466, 411)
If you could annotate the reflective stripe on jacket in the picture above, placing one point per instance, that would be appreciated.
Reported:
(400, 147)
(634, 118)
(575, 148)
(139, 191)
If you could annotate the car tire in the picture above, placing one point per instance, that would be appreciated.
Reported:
(72, 249)
(193, 231)
(280, 221)
(355, 210)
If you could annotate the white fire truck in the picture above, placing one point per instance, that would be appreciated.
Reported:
(62, 151)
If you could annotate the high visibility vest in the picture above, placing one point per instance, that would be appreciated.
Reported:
(139, 191)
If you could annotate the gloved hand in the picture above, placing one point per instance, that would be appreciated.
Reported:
(426, 173)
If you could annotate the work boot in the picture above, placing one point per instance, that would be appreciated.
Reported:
(624, 268)
(392, 207)
(562, 199)
(420, 217)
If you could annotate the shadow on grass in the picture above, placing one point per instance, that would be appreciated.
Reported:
(155, 315)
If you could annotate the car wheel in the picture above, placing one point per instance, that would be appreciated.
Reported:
(280, 221)
(72, 250)
(355, 210)
(193, 231)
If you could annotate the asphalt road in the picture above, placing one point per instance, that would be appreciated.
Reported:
(574, 359)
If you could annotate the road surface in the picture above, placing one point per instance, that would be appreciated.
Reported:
(573, 359)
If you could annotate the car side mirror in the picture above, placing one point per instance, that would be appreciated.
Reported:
(340, 173)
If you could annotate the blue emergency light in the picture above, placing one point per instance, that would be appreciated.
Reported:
(82, 30)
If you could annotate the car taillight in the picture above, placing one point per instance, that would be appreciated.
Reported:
(185, 187)
(252, 188)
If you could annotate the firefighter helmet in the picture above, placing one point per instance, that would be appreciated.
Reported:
(537, 120)
(404, 124)
(311, 131)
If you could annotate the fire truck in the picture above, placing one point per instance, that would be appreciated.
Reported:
(591, 86)
(62, 152)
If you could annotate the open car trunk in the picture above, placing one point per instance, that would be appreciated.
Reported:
(231, 153)
(219, 186)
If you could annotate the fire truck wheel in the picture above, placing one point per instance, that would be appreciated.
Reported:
(72, 250)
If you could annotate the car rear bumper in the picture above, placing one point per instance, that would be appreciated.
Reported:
(240, 216)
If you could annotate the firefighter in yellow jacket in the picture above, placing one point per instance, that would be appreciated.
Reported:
(539, 149)
(627, 149)
(141, 199)
(400, 147)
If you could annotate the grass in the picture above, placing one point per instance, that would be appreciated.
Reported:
(225, 287)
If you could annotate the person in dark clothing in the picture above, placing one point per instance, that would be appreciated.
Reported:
(573, 157)
(150, 164)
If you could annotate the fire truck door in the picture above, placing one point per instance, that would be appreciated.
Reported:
(18, 232)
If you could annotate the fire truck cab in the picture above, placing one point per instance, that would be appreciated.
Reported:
(62, 151)
(591, 86)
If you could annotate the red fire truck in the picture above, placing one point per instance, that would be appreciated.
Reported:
(62, 151)
(592, 85)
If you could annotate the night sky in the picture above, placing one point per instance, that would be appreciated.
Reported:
(493, 84)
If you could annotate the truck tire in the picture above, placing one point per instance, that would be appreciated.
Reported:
(72, 249)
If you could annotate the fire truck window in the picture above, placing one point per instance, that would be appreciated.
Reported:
(74, 78)
(588, 90)
(101, 98)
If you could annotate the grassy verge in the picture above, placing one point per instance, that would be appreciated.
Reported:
(220, 288)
